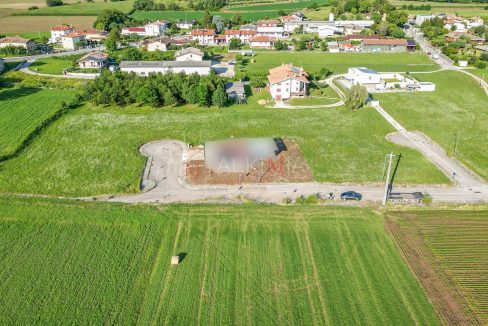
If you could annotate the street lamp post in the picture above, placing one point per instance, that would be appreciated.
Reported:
(387, 181)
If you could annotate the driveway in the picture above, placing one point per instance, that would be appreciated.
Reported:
(223, 69)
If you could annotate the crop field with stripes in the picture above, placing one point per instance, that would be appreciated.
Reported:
(70, 262)
(448, 251)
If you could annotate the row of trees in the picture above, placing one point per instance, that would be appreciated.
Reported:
(148, 5)
(13, 50)
(121, 88)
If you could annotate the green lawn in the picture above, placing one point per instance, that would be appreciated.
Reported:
(71, 262)
(339, 62)
(95, 151)
(78, 9)
(457, 105)
(52, 66)
(287, 6)
(22, 110)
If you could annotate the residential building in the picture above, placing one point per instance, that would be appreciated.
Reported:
(95, 35)
(203, 36)
(93, 60)
(287, 81)
(57, 32)
(158, 44)
(156, 28)
(270, 28)
(185, 24)
(333, 47)
(139, 31)
(235, 91)
(455, 36)
(243, 35)
(189, 54)
(263, 42)
(27, 44)
(248, 27)
(363, 75)
(419, 19)
(144, 68)
(385, 45)
(73, 41)
(326, 31)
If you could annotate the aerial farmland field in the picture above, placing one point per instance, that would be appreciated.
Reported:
(23, 110)
(448, 251)
(99, 263)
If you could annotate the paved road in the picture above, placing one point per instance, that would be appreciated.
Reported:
(167, 172)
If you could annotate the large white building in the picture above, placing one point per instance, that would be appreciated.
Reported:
(152, 29)
(144, 68)
(270, 28)
(73, 41)
(57, 32)
(18, 41)
(287, 81)
(363, 75)
(244, 36)
(203, 36)
(189, 54)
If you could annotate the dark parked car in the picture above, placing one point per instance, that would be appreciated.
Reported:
(351, 195)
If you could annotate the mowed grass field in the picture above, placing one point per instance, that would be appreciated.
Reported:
(22, 110)
(249, 15)
(52, 66)
(273, 6)
(457, 105)
(462, 9)
(73, 262)
(448, 250)
(93, 151)
(339, 62)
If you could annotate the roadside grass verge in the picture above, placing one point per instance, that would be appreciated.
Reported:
(457, 106)
(52, 66)
(74, 262)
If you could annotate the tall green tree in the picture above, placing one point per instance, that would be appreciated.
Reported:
(219, 97)
(356, 97)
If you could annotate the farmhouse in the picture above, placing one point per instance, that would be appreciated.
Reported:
(93, 60)
(189, 54)
(57, 32)
(18, 41)
(156, 28)
(287, 81)
(235, 91)
(73, 41)
(263, 42)
(158, 44)
(144, 68)
(203, 36)
(269, 28)
(243, 35)
(185, 24)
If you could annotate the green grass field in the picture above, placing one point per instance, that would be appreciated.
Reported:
(78, 9)
(95, 151)
(275, 6)
(457, 105)
(454, 245)
(22, 110)
(71, 262)
(52, 66)
(339, 62)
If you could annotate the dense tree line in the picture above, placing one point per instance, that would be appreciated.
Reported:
(121, 88)
(13, 50)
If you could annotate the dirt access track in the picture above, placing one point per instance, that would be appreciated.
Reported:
(165, 171)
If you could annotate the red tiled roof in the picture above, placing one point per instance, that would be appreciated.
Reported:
(136, 29)
(14, 39)
(386, 41)
(208, 32)
(287, 71)
(239, 32)
(269, 22)
(61, 28)
(263, 38)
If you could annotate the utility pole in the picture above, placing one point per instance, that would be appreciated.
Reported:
(387, 182)
(457, 141)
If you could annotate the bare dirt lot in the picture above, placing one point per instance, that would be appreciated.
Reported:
(290, 167)
(26, 24)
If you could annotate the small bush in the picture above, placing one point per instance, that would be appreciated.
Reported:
(480, 64)
(33, 8)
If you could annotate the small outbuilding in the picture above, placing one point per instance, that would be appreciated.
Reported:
(236, 91)
(175, 260)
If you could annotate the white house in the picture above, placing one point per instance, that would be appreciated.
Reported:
(144, 68)
(139, 31)
(189, 54)
(19, 41)
(95, 35)
(326, 31)
(270, 28)
(159, 44)
(185, 24)
(57, 32)
(156, 28)
(333, 47)
(287, 81)
(263, 42)
(73, 40)
(93, 60)
(203, 36)
(363, 75)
